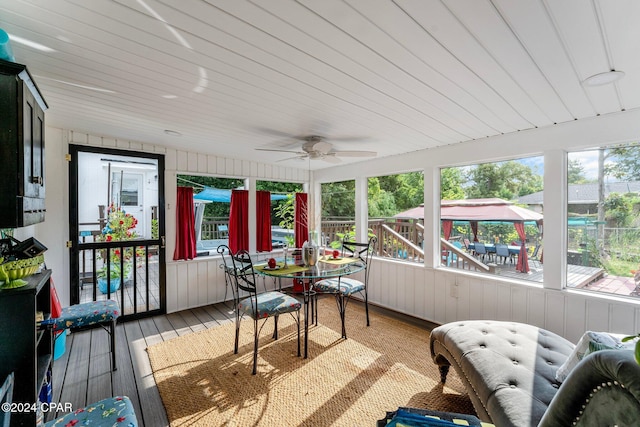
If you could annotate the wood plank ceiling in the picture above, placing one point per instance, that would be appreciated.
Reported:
(385, 76)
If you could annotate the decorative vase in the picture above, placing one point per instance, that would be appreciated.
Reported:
(310, 252)
(102, 284)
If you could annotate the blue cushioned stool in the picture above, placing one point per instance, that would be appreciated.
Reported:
(103, 313)
(107, 412)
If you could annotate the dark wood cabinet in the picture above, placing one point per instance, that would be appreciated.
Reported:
(22, 186)
(25, 349)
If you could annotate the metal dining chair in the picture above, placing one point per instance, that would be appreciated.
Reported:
(257, 306)
(344, 287)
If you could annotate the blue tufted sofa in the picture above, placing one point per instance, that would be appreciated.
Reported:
(509, 372)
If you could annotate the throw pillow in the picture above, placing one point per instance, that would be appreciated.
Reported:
(589, 343)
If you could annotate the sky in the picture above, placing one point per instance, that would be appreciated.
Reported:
(589, 161)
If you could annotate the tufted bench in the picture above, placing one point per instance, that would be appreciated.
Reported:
(508, 368)
(104, 313)
(509, 372)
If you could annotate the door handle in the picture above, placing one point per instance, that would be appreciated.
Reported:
(162, 242)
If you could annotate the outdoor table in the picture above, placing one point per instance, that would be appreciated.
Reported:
(326, 268)
(491, 248)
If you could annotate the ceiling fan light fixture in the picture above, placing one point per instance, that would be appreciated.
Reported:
(601, 79)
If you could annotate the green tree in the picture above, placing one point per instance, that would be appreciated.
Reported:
(624, 163)
(505, 180)
(451, 180)
(522, 179)
(618, 207)
(575, 172)
(489, 181)
(381, 202)
(407, 189)
(339, 199)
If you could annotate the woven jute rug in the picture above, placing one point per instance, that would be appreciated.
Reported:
(350, 382)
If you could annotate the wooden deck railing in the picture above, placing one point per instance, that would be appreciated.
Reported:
(392, 244)
(453, 256)
(215, 228)
(397, 238)
(334, 230)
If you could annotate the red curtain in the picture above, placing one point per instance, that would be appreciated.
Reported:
(185, 223)
(301, 229)
(523, 260)
(263, 226)
(474, 229)
(239, 221)
(447, 225)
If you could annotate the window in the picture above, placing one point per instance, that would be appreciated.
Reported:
(282, 210)
(396, 215)
(603, 223)
(211, 209)
(338, 201)
(491, 218)
(129, 186)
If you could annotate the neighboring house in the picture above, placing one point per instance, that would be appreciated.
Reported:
(582, 198)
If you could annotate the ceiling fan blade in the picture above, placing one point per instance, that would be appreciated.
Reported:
(280, 151)
(300, 158)
(355, 153)
(331, 158)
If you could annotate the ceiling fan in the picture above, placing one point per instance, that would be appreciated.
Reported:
(316, 148)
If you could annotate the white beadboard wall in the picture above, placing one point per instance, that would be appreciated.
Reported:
(440, 296)
(443, 295)
(436, 294)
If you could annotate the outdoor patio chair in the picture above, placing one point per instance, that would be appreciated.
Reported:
(258, 306)
(344, 287)
(502, 251)
(450, 257)
(467, 245)
(481, 251)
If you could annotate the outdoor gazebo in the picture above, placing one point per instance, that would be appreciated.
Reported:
(477, 210)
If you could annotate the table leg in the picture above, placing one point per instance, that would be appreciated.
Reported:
(306, 297)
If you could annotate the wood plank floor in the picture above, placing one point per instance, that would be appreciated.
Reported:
(83, 374)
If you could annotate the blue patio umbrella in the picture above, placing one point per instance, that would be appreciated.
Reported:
(210, 194)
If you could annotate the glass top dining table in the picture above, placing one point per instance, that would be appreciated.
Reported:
(327, 267)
